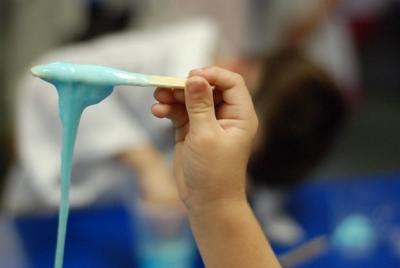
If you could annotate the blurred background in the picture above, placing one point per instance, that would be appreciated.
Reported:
(325, 76)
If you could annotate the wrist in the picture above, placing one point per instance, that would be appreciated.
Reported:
(216, 207)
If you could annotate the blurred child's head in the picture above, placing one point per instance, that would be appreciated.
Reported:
(300, 111)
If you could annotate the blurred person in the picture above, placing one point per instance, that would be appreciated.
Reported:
(301, 111)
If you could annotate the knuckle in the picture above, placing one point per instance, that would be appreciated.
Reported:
(191, 73)
(238, 78)
(200, 106)
(194, 72)
(213, 69)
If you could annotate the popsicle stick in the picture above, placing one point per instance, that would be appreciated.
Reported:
(167, 81)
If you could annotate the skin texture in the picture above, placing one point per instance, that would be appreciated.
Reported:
(214, 133)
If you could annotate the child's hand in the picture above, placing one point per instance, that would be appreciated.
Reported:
(214, 132)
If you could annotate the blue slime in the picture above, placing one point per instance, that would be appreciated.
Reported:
(78, 87)
(89, 74)
(73, 99)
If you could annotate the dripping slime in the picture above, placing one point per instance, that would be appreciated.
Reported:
(78, 87)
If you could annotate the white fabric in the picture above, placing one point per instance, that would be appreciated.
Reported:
(121, 122)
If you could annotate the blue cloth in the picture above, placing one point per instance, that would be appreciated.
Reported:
(96, 237)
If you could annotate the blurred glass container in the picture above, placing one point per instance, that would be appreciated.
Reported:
(163, 237)
(11, 251)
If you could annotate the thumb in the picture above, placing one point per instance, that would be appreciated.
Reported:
(199, 103)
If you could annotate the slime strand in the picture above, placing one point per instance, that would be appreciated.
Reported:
(73, 99)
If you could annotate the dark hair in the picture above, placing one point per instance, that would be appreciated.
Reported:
(300, 110)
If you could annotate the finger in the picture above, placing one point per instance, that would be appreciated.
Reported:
(199, 104)
(176, 113)
(219, 77)
(179, 96)
(232, 85)
(161, 110)
(164, 95)
(237, 103)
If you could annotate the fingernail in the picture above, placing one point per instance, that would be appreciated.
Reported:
(196, 88)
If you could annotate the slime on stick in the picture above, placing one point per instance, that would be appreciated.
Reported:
(78, 87)
(102, 75)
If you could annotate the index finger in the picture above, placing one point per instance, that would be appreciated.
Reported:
(219, 77)
(231, 84)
